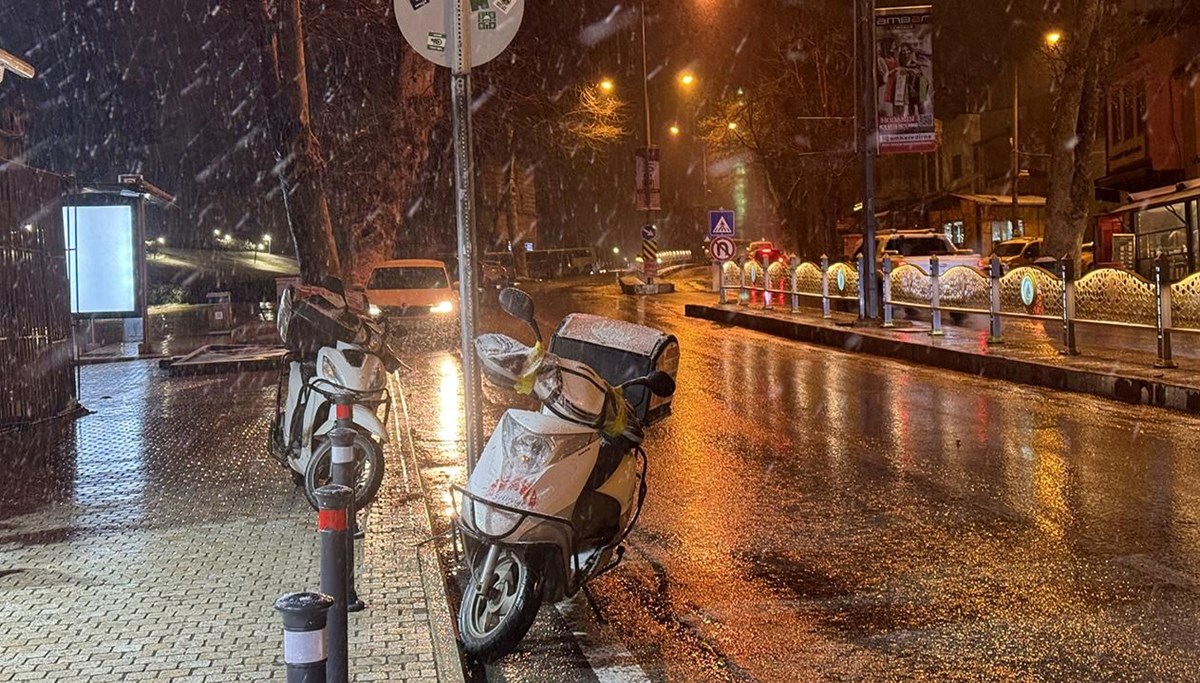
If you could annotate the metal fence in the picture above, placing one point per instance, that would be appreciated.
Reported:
(37, 379)
(1107, 296)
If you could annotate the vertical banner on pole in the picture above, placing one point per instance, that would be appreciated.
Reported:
(903, 60)
(649, 186)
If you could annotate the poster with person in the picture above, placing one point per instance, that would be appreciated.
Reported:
(904, 79)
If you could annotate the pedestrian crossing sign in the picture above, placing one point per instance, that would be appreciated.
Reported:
(720, 224)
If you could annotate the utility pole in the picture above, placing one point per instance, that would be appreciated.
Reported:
(1016, 146)
(868, 149)
(647, 177)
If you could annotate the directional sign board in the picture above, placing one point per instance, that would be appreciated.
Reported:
(649, 232)
(722, 248)
(721, 224)
(427, 25)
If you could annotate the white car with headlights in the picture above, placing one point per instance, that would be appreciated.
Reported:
(413, 293)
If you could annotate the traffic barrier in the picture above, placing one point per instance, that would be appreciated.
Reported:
(1106, 296)
(341, 473)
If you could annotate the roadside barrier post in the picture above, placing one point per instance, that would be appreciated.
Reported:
(887, 291)
(862, 287)
(935, 296)
(1067, 271)
(304, 652)
(721, 285)
(766, 283)
(824, 286)
(995, 272)
(341, 473)
(743, 296)
(1162, 295)
(792, 266)
(332, 503)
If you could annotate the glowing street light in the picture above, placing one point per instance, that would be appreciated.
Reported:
(687, 78)
(607, 85)
(732, 125)
(616, 250)
(674, 130)
(216, 233)
(1053, 38)
(161, 240)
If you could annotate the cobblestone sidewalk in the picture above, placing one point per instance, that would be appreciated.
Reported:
(148, 541)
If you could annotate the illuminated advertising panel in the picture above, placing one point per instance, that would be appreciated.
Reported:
(101, 259)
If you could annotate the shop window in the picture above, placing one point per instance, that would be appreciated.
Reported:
(955, 231)
(1003, 230)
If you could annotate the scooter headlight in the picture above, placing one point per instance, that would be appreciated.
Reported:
(330, 372)
(532, 451)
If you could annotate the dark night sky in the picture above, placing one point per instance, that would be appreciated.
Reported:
(170, 87)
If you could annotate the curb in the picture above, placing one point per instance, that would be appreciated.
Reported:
(1133, 390)
(446, 654)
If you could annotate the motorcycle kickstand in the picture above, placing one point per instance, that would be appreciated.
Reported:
(591, 601)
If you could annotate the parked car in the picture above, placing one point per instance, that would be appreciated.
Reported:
(764, 249)
(1014, 253)
(1027, 251)
(415, 294)
(495, 274)
(917, 247)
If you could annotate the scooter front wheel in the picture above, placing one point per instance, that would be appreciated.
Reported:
(368, 469)
(492, 625)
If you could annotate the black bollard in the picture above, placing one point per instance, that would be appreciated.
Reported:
(331, 522)
(304, 617)
(341, 472)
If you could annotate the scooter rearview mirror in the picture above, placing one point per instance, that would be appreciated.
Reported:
(519, 305)
(661, 384)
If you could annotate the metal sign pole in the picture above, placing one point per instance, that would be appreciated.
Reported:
(868, 151)
(468, 313)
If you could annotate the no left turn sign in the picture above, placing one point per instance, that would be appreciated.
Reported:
(722, 248)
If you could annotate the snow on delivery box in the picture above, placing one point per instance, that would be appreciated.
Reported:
(620, 351)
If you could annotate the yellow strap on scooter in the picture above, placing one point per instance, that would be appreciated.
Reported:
(616, 426)
(524, 383)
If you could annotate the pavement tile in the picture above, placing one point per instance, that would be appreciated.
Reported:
(148, 541)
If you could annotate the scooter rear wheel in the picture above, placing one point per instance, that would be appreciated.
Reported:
(492, 626)
(368, 469)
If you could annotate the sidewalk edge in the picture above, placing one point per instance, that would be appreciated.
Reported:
(1134, 390)
(446, 654)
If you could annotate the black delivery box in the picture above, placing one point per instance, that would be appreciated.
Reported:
(620, 351)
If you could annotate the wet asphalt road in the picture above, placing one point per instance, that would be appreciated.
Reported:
(817, 515)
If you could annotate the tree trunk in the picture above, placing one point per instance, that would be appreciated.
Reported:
(298, 158)
(1072, 136)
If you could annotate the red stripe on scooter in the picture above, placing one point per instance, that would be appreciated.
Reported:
(331, 520)
(343, 412)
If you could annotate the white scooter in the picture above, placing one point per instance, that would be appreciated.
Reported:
(554, 492)
(334, 353)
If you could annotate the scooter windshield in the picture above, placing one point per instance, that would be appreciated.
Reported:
(532, 462)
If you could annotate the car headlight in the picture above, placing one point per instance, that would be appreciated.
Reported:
(374, 311)
(442, 307)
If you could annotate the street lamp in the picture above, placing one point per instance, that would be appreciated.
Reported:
(674, 130)
(616, 250)
(732, 125)
(162, 240)
(216, 233)
(1051, 40)
(687, 78)
(267, 240)
(607, 85)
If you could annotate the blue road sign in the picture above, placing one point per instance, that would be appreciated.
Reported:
(720, 224)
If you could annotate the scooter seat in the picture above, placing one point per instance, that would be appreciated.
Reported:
(597, 517)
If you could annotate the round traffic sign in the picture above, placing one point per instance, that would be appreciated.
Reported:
(722, 248)
(427, 25)
(648, 232)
